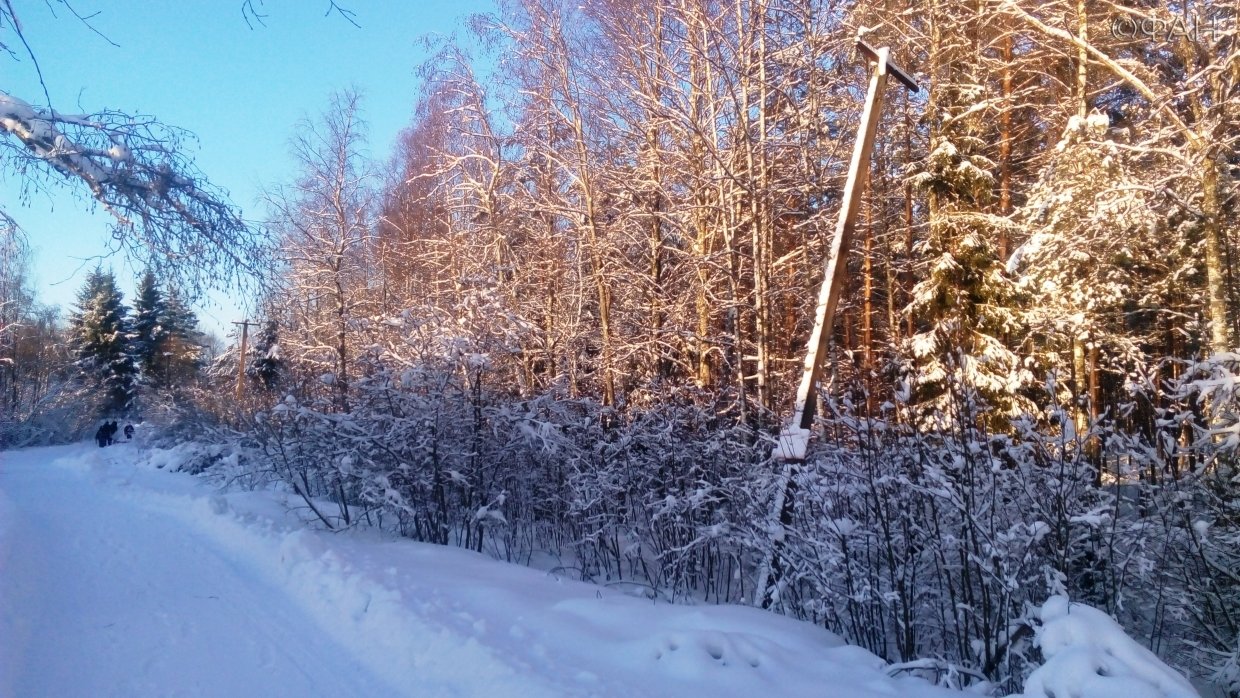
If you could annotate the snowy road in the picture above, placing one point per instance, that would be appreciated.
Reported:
(99, 597)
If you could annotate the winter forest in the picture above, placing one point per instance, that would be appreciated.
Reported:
(564, 322)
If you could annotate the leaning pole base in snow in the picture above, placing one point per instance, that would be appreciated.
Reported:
(794, 438)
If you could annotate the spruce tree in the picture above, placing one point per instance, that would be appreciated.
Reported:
(1106, 265)
(182, 344)
(267, 365)
(99, 340)
(967, 302)
(149, 333)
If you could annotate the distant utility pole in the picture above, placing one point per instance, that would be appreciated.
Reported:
(245, 335)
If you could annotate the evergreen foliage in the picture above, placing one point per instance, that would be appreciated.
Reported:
(99, 339)
(967, 304)
(267, 366)
(150, 335)
(181, 352)
(166, 343)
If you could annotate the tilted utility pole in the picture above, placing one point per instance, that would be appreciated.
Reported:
(794, 439)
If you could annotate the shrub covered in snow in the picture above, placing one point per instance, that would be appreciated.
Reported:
(1089, 656)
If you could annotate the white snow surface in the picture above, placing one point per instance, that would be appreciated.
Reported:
(793, 443)
(1088, 655)
(118, 579)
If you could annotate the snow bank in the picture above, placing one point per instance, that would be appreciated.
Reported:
(1088, 655)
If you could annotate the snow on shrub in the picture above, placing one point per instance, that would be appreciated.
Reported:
(1088, 655)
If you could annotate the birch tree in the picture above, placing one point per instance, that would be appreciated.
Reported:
(323, 221)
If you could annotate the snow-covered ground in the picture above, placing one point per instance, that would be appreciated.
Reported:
(117, 580)
(123, 580)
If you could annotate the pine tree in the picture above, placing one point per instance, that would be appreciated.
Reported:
(99, 340)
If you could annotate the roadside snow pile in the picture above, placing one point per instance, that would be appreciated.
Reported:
(1088, 655)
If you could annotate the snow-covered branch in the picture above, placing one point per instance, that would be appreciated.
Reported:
(167, 214)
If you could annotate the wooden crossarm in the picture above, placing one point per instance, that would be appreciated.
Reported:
(892, 68)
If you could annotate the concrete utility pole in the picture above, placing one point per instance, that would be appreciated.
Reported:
(794, 439)
(245, 333)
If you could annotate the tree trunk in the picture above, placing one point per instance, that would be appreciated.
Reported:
(1216, 283)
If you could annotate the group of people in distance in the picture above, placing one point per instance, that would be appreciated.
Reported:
(106, 436)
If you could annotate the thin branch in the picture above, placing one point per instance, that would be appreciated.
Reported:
(349, 15)
(21, 35)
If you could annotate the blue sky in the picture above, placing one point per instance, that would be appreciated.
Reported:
(197, 65)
